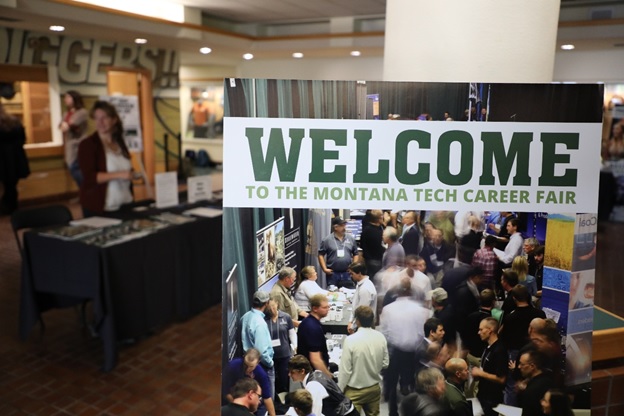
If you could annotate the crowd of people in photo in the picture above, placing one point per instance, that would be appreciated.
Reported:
(446, 307)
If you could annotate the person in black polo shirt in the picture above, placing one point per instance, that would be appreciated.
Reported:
(311, 337)
(493, 370)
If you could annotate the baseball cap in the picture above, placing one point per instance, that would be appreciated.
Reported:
(338, 221)
(262, 296)
(438, 294)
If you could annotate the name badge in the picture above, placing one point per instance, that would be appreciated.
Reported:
(340, 253)
(275, 342)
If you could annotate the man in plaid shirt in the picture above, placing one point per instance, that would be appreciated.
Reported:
(486, 259)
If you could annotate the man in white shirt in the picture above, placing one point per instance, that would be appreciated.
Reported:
(365, 292)
(364, 355)
(514, 247)
(402, 323)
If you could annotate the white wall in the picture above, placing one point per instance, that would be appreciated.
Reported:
(570, 66)
(352, 68)
(589, 66)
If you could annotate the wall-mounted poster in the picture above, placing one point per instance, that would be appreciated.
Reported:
(270, 245)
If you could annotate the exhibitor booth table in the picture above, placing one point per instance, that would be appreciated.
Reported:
(137, 286)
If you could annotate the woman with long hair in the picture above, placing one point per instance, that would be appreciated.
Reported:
(105, 164)
(74, 128)
(556, 403)
(306, 287)
(520, 265)
(13, 161)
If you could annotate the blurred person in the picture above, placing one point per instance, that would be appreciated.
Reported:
(443, 310)
(245, 398)
(336, 252)
(466, 299)
(284, 342)
(421, 265)
(556, 403)
(494, 368)
(282, 295)
(248, 367)
(13, 160)
(539, 269)
(470, 241)
(402, 324)
(327, 398)
(371, 241)
(74, 129)
(365, 292)
(441, 220)
(514, 333)
(306, 287)
(104, 161)
(395, 254)
(615, 146)
(454, 398)
(364, 356)
(428, 400)
(520, 265)
(436, 253)
(509, 279)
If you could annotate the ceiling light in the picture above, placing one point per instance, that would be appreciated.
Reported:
(297, 55)
(205, 50)
(140, 41)
(567, 47)
(356, 53)
(57, 28)
(248, 56)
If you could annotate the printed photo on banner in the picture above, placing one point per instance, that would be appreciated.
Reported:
(421, 179)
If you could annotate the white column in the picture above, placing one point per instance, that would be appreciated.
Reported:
(476, 40)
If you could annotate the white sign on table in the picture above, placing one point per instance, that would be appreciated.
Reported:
(199, 188)
(166, 189)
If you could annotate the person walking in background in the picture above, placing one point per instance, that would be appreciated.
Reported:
(74, 128)
(104, 161)
(13, 161)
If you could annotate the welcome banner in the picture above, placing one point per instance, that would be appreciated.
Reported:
(312, 163)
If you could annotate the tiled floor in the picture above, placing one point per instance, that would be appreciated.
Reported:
(175, 372)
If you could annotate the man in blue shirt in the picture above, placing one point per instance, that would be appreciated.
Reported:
(255, 333)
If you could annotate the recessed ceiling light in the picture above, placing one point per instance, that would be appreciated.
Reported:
(297, 55)
(57, 28)
(248, 56)
(140, 41)
(205, 50)
(567, 47)
(356, 53)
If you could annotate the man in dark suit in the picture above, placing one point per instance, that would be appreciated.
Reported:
(410, 238)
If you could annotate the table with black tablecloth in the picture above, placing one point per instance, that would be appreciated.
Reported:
(137, 286)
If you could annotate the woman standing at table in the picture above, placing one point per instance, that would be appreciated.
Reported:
(74, 128)
(104, 161)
